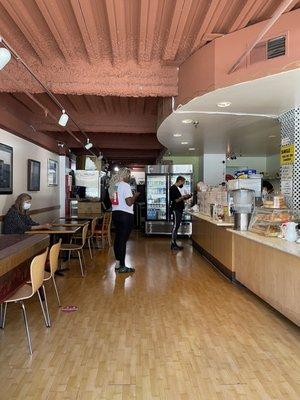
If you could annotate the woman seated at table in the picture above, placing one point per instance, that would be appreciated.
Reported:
(17, 221)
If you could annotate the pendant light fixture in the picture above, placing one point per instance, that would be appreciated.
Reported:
(5, 57)
(63, 120)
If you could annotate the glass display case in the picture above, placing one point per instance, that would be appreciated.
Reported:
(268, 221)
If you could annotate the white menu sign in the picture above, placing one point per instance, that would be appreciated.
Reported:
(287, 187)
(286, 172)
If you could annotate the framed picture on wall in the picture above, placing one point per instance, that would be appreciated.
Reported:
(6, 169)
(52, 172)
(33, 175)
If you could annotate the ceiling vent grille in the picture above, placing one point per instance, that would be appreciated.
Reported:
(276, 47)
(269, 49)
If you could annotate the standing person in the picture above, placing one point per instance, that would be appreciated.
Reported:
(17, 219)
(122, 201)
(177, 207)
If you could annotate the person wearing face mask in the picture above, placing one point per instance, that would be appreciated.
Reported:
(17, 221)
(177, 207)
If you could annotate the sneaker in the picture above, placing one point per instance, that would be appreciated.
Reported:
(175, 246)
(125, 270)
(117, 265)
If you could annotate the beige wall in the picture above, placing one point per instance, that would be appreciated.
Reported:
(47, 196)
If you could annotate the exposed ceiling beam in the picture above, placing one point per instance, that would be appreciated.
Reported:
(279, 11)
(115, 14)
(179, 20)
(207, 26)
(148, 15)
(56, 26)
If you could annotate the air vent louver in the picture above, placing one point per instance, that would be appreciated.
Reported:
(276, 47)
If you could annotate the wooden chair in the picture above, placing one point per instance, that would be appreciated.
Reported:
(89, 237)
(53, 258)
(37, 268)
(104, 231)
(77, 248)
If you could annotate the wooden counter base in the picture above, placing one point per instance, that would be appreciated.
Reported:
(216, 263)
(271, 274)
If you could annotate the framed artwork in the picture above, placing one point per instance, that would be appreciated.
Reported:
(6, 169)
(33, 175)
(52, 172)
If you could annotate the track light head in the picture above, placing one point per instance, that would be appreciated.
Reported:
(63, 120)
(88, 144)
(5, 57)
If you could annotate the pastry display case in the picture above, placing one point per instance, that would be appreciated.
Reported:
(268, 222)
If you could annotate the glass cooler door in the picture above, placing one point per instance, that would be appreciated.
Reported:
(187, 189)
(156, 187)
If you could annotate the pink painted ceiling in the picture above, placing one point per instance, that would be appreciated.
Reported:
(110, 61)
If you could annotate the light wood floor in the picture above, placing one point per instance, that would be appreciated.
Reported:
(174, 330)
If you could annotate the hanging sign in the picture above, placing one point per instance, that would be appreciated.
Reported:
(287, 154)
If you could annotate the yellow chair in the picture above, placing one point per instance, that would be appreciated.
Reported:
(37, 268)
(77, 247)
(104, 232)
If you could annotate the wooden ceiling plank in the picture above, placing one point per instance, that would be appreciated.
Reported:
(148, 17)
(209, 17)
(179, 20)
(86, 23)
(244, 17)
(20, 15)
(55, 23)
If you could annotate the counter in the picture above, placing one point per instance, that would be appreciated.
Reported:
(268, 266)
(212, 239)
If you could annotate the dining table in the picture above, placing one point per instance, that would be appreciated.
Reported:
(16, 253)
(55, 232)
(70, 223)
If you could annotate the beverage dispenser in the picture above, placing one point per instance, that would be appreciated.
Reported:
(243, 205)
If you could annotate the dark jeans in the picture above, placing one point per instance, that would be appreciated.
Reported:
(123, 223)
(177, 218)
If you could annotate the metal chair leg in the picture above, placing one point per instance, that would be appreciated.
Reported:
(3, 314)
(56, 290)
(83, 258)
(69, 258)
(26, 326)
(43, 311)
(90, 248)
(80, 261)
(46, 306)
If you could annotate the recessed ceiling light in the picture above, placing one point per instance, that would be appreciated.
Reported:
(177, 135)
(184, 142)
(188, 121)
(192, 148)
(224, 104)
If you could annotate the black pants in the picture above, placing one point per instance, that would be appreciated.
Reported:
(123, 223)
(177, 218)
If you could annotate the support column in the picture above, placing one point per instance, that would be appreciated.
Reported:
(290, 157)
(214, 168)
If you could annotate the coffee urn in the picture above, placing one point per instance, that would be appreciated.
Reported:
(243, 204)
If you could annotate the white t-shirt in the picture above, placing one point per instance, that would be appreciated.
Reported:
(124, 191)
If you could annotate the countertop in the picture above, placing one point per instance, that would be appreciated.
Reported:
(209, 219)
(274, 242)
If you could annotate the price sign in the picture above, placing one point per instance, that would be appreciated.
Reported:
(287, 154)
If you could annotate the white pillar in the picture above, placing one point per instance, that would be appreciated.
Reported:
(62, 188)
(214, 168)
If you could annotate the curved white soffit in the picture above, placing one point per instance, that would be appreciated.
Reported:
(264, 98)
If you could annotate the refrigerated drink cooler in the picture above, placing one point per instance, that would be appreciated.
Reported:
(159, 178)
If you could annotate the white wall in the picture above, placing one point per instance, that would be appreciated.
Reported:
(214, 167)
(47, 196)
(258, 163)
(273, 164)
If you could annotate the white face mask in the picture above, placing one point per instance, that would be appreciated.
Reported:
(26, 206)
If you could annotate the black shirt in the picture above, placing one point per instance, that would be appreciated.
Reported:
(174, 195)
(16, 223)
